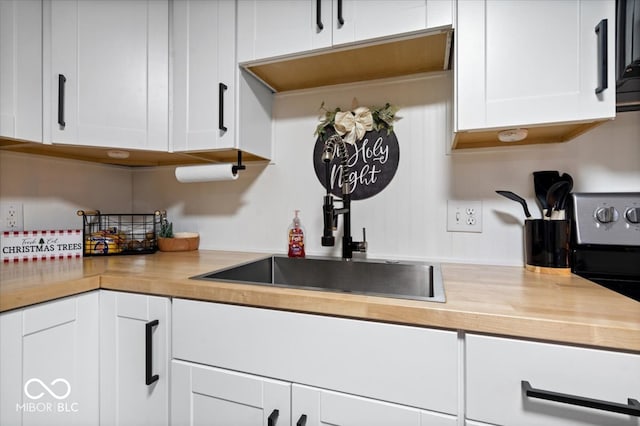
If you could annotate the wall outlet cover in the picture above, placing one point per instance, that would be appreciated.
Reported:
(12, 217)
(464, 216)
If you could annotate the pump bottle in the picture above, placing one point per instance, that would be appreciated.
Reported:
(295, 236)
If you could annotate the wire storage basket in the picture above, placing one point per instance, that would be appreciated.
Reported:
(109, 234)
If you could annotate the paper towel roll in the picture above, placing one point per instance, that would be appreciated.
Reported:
(206, 173)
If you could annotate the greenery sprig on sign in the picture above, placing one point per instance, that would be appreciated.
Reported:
(352, 125)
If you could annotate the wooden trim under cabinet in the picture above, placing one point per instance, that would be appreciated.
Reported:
(135, 158)
(537, 135)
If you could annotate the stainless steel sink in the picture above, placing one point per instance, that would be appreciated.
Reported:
(404, 280)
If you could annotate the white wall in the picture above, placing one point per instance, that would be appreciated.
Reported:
(52, 190)
(407, 219)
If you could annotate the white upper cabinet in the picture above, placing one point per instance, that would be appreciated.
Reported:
(21, 69)
(203, 74)
(282, 27)
(107, 73)
(357, 20)
(216, 106)
(529, 63)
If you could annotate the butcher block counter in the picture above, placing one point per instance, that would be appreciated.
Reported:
(501, 300)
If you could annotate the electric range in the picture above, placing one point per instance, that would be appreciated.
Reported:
(605, 238)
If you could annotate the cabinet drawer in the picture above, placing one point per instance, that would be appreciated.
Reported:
(496, 368)
(406, 365)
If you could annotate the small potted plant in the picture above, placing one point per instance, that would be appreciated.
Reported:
(179, 241)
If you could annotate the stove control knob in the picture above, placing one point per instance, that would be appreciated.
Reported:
(606, 214)
(633, 214)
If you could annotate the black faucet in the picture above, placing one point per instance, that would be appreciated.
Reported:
(333, 146)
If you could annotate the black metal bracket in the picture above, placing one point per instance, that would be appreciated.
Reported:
(238, 166)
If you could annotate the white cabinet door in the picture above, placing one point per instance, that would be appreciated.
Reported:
(406, 365)
(268, 28)
(107, 80)
(203, 74)
(134, 327)
(496, 368)
(11, 393)
(21, 69)
(215, 105)
(360, 20)
(521, 63)
(317, 407)
(205, 395)
(281, 27)
(49, 363)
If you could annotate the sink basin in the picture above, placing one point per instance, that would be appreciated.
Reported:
(404, 280)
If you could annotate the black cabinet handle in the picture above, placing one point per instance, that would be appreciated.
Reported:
(319, 15)
(273, 418)
(221, 89)
(149, 376)
(601, 31)
(340, 18)
(632, 407)
(302, 421)
(61, 81)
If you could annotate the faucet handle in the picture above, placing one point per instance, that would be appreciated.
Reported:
(362, 246)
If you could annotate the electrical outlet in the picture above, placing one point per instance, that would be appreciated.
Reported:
(12, 217)
(464, 216)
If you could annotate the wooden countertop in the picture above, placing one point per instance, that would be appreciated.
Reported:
(490, 299)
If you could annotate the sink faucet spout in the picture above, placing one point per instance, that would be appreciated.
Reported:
(333, 146)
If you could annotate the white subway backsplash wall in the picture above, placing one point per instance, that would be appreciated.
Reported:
(406, 220)
(52, 190)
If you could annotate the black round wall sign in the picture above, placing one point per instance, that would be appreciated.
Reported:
(373, 162)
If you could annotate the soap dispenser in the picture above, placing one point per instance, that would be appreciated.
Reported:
(296, 237)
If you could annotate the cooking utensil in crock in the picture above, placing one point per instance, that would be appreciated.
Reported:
(512, 196)
(542, 181)
(556, 192)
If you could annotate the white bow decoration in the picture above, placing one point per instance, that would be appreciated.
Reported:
(353, 125)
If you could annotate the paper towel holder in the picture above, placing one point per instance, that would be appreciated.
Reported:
(238, 166)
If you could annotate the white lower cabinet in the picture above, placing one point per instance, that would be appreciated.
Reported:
(315, 407)
(134, 359)
(339, 371)
(206, 395)
(49, 363)
(497, 367)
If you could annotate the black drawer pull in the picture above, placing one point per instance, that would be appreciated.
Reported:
(603, 56)
(149, 376)
(61, 81)
(302, 421)
(273, 418)
(221, 89)
(340, 18)
(319, 15)
(632, 407)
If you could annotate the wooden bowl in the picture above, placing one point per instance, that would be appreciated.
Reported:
(181, 241)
